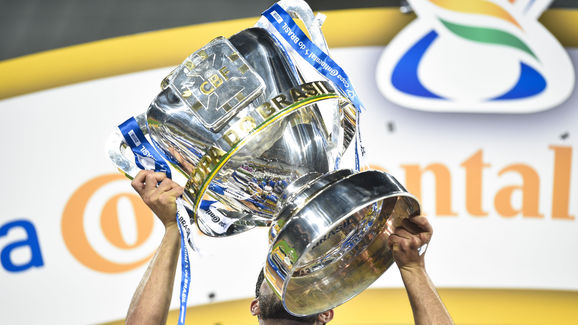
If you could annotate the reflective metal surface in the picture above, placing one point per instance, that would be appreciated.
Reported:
(334, 245)
(260, 145)
(215, 82)
(238, 122)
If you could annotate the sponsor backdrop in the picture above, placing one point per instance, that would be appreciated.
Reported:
(472, 106)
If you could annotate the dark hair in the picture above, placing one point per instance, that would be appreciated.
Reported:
(260, 279)
(284, 315)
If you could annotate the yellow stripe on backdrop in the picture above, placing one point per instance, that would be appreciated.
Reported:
(343, 28)
(391, 306)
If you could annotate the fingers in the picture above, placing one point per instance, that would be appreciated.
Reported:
(176, 191)
(169, 187)
(426, 230)
(152, 179)
(167, 192)
(139, 180)
(148, 183)
(147, 180)
(410, 226)
(422, 223)
(159, 193)
(407, 242)
(412, 233)
(404, 241)
(165, 185)
(169, 197)
(179, 190)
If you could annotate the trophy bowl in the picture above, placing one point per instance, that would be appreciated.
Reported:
(239, 123)
(330, 243)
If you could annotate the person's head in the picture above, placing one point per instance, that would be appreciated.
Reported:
(267, 305)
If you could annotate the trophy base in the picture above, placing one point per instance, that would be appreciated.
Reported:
(329, 242)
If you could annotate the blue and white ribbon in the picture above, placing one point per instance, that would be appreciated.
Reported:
(321, 61)
(148, 158)
(182, 221)
(286, 27)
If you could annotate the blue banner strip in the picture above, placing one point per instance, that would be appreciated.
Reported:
(185, 276)
(146, 156)
(291, 32)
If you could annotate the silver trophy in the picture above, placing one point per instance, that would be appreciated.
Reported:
(259, 145)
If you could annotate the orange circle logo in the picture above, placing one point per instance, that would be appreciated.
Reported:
(74, 230)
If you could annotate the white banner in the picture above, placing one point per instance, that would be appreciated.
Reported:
(500, 191)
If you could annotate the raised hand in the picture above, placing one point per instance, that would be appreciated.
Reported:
(408, 242)
(160, 193)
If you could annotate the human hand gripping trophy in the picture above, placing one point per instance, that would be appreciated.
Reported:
(258, 125)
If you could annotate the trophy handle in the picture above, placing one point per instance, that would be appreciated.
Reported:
(119, 151)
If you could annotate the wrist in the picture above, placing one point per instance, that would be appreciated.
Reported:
(414, 276)
(172, 228)
(412, 270)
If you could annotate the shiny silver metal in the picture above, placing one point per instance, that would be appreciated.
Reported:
(259, 145)
(330, 243)
(238, 122)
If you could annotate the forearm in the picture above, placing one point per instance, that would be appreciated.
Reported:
(426, 304)
(151, 301)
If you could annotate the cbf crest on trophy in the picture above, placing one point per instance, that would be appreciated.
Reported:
(258, 124)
